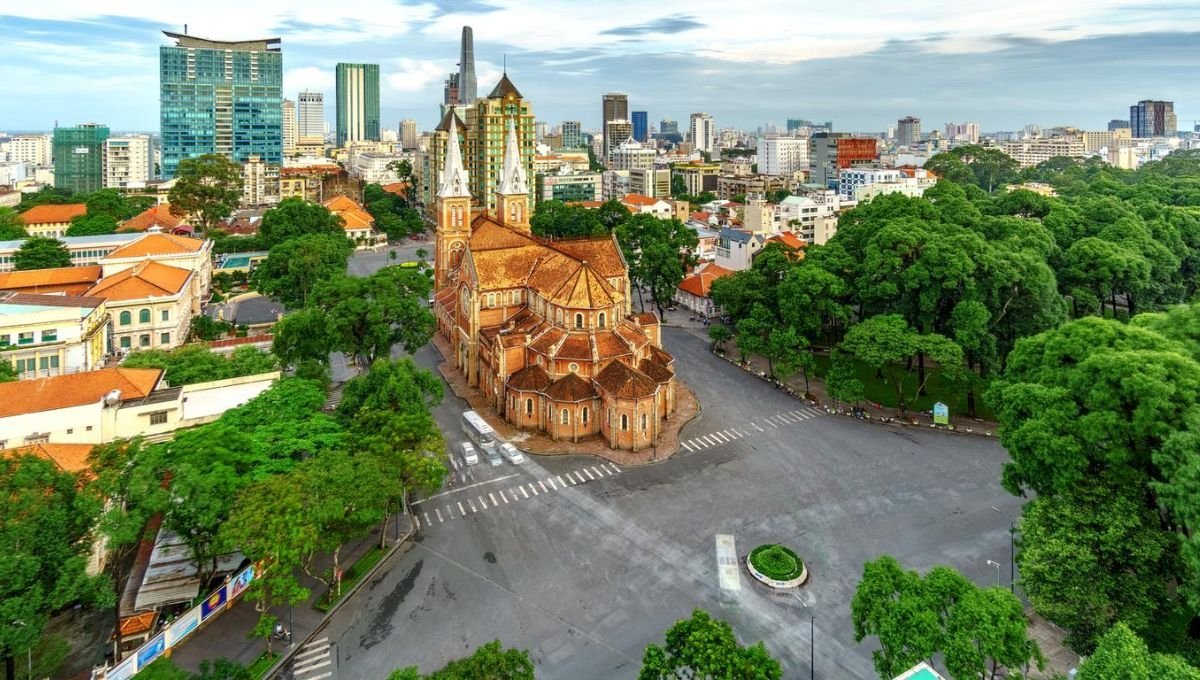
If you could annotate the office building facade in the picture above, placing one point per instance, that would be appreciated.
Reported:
(572, 134)
(288, 127)
(908, 131)
(613, 106)
(32, 149)
(641, 125)
(782, 156)
(1151, 118)
(310, 120)
(486, 122)
(616, 132)
(128, 161)
(831, 152)
(466, 68)
(220, 97)
(79, 157)
(408, 133)
(357, 103)
(703, 132)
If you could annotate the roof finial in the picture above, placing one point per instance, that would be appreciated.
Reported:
(506, 63)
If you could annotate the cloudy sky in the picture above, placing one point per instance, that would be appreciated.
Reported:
(861, 63)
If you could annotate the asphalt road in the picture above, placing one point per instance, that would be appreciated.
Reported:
(584, 564)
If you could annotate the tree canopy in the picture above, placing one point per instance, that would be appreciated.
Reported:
(196, 363)
(294, 267)
(489, 662)
(295, 217)
(704, 647)
(207, 188)
(40, 252)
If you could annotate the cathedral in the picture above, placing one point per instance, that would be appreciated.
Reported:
(544, 327)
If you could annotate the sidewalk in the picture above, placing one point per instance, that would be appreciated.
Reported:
(228, 636)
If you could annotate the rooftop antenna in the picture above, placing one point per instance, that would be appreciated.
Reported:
(185, 29)
(506, 63)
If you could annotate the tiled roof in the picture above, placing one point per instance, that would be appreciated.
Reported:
(582, 289)
(610, 345)
(639, 200)
(504, 87)
(143, 280)
(545, 342)
(397, 188)
(157, 244)
(352, 214)
(529, 379)
(32, 299)
(577, 346)
(489, 234)
(68, 457)
(700, 216)
(646, 318)
(788, 239)
(700, 283)
(57, 280)
(138, 623)
(53, 214)
(623, 382)
(234, 342)
(75, 389)
(656, 371)
(154, 216)
(601, 253)
(570, 388)
(444, 124)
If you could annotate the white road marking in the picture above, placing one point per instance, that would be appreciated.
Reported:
(417, 521)
(493, 497)
(615, 468)
(461, 509)
(542, 484)
(585, 470)
(770, 423)
(471, 505)
(449, 512)
(533, 489)
(598, 472)
(551, 483)
(464, 488)
(685, 445)
(723, 437)
(439, 514)
(702, 441)
(757, 427)
(503, 497)
(732, 433)
(560, 481)
(713, 440)
(482, 503)
(522, 491)
(426, 514)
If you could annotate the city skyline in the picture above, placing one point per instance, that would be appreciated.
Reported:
(71, 64)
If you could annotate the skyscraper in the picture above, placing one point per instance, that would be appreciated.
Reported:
(288, 127)
(357, 103)
(311, 120)
(408, 133)
(613, 106)
(1152, 118)
(615, 134)
(450, 90)
(79, 157)
(572, 134)
(128, 161)
(703, 132)
(641, 125)
(466, 68)
(220, 97)
(908, 131)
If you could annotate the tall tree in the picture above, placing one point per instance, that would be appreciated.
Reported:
(488, 662)
(11, 226)
(887, 344)
(207, 189)
(40, 252)
(295, 217)
(92, 225)
(555, 218)
(1122, 655)
(294, 267)
(366, 317)
(702, 646)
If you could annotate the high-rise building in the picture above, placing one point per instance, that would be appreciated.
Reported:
(668, 127)
(311, 116)
(79, 157)
(572, 134)
(1152, 118)
(641, 125)
(963, 132)
(782, 156)
(615, 134)
(613, 106)
(357, 103)
(466, 68)
(128, 161)
(408, 133)
(450, 90)
(487, 121)
(631, 155)
(220, 97)
(908, 131)
(1118, 124)
(32, 149)
(831, 152)
(541, 129)
(703, 132)
(288, 110)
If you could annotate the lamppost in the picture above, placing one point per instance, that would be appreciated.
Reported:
(997, 566)
(1012, 557)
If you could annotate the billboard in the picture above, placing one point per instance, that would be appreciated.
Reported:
(213, 604)
(183, 625)
(151, 650)
(941, 414)
(123, 670)
(241, 582)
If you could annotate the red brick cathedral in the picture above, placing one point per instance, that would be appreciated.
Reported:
(545, 327)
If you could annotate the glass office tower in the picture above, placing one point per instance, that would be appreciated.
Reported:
(220, 97)
(357, 103)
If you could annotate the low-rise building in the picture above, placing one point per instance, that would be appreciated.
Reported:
(615, 184)
(84, 250)
(800, 213)
(736, 248)
(1030, 152)
(631, 155)
(157, 218)
(729, 186)
(698, 177)
(307, 181)
(655, 183)
(51, 221)
(694, 292)
(192, 254)
(588, 186)
(358, 224)
(637, 203)
(151, 304)
(47, 335)
(56, 281)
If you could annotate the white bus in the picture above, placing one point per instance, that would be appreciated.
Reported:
(478, 431)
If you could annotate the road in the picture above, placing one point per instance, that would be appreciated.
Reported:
(584, 564)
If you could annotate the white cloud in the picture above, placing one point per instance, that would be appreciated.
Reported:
(413, 75)
(308, 78)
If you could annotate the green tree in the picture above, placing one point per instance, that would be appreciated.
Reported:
(8, 372)
(197, 363)
(11, 226)
(489, 662)
(207, 189)
(1122, 655)
(294, 267)
(719, 334)
(47, 196)
(987, 636)
(555, 219)
(45, 524)
(301, 336)
(40, 252)
(656, 251)
(295, 217)
(704, 647)
(92, 225)
(842, 381)
(887, 344)
(208, 329)
(250, 360)
(112, 203)
(366, 317)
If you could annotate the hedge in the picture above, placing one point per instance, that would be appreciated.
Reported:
(776, 562)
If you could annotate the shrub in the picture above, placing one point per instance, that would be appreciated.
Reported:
(776, 562)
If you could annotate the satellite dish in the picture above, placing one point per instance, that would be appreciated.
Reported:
(112, 398)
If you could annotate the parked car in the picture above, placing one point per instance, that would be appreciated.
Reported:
(512, 453)
(492, 455)
(469, 453)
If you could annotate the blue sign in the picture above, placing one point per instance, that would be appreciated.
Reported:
(941, 414)
(214, 603)
(151, 650)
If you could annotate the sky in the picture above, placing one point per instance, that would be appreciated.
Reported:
(860, 63)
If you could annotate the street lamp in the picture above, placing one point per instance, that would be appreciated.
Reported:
(997, 566)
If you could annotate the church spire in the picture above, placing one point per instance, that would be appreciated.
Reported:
(512, 179)
(454, 176)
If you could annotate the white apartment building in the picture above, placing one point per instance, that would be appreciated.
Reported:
(1036, 150)
(47, 335)
(851, 179)
(655, 183)
(782, 156)
(1094, 141)
(128, 161)
(290, 132)
(702, 131)
(615, 183)
(373, 166)
(310, 119)
(799, 214)
(35, 149)
(408, 134)
(631, 155)
(963, 132)
(260, 182)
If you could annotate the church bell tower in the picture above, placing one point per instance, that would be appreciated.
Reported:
(454, 212)
(512, 195)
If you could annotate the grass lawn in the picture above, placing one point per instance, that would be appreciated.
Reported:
(879, 391)
(352, 576)
(262, 664)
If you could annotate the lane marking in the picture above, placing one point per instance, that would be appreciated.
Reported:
(560, 481)
(615, 468)
(439, 514)
(533, 489)
(551, 483)
(713, 440)
(597, 471)
(482, 503)
(522, 491)
(471, 505)
(417, 521)
(461, 509)
(449, 512)
(427, 518)
(723, 437)
(685, 445)
(464, 488)
(771, 423)
(503, 497)
(493, 497)
(585, 470)
(733, 433)
(541, 484)
(757, 427)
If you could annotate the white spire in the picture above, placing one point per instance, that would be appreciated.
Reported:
(512, 178)
(454, 177)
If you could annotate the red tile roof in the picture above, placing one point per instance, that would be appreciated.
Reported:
(570, 388)
(155, 216)
(638, 200)
(68, 457)
(788, 239)
(76, 389)
(143, 280)
(53, 214)
(700, 283)
(157, 244)
(69, 280)
(624, 382)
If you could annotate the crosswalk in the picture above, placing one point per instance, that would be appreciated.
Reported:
(459, 504)
(314, 661)
(755, 426)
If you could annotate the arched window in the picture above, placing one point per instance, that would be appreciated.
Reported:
(144, 316)
(585, 415)
(578, 320)
(529, 407)
(624, 422)
(643, 421)
(601, 319)
(126, 318)
(491, 299)
(566, 417)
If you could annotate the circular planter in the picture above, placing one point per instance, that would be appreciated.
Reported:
(793, 579)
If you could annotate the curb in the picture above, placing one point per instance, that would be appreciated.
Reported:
(404, 542)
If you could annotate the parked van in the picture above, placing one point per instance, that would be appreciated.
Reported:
(469, 454)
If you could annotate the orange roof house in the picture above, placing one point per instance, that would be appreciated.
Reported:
(357, 222)
(51, 220)
(75, 389)
(145, 280)
(694, 292)
(154, 244)
(156, 217)
(64, 280)
(66, 457)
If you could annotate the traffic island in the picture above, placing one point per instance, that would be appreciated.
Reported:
(777, 567)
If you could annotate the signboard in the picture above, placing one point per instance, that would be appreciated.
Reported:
(941, 414)
(123, 670)
(241, 582)
(151, 650)
(185, 624)
(213, 604)
(82, 150)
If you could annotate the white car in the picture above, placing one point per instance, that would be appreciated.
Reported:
(469, 454)
(512, 453)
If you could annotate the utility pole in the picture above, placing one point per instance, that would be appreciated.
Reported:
(1012, 557)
